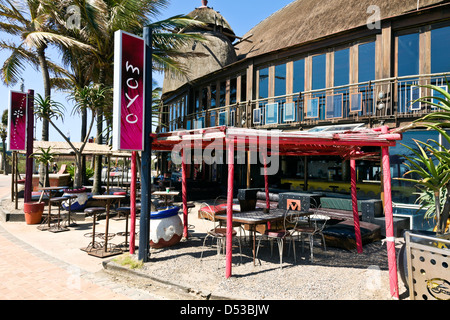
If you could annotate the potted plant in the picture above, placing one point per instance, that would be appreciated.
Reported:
(33, 210)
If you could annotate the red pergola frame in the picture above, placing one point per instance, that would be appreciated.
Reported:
(347, 145)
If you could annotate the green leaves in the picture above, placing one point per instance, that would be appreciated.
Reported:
(46, 108)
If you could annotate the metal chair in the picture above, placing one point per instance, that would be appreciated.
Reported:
(222, 200)
(217, 232)
(314, 229)
(280, 235)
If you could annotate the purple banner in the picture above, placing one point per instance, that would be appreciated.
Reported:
(128, 116)
(17, 121)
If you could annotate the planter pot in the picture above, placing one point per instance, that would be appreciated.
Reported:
(166, 228)
(33, 212)
(78, 203)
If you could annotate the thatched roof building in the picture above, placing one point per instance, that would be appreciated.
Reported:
(303, 21)
(203, 57)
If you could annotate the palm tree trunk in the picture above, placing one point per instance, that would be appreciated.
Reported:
(83, 137)
(98, 162)
(47, 90)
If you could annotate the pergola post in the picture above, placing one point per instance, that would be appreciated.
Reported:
(229, 237)
(184, 194)
(389, 220)
(358, 240)
(266, 181)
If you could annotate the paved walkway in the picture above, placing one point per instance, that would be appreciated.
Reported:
(32, 268)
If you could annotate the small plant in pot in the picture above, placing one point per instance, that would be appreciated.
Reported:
(33, 210)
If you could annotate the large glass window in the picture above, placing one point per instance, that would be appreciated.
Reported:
(223, 93)
(204, 98)
(263, 83)
(243, 87)
(366, 62)
(319, 68)
(280, 80)
(233, 85)
(408, 54)
(299, 76)
(213, 95)
(341, 67)
(440, 48)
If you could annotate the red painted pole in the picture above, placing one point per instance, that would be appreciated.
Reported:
(29, 150)
(358, 239)
(266, 181)
(184, 194)
(133, 203)
(389, 221)
(229, 238)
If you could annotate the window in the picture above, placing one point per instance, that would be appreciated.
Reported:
(263, 83)
(319, 67)
(243, 88)
(233, 85)
(341, 67)
(299, 75)
(280, 80)
(408, 55)
(204, 98)
(440, 47)
(366, 62)
(223, 93)
(213, 95)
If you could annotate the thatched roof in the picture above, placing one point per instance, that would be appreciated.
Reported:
(63, 148)
(307, 20)
(213, 20)
(201, 58)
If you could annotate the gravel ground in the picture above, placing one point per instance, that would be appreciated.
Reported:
(335, 274)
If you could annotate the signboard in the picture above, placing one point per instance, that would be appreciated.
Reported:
(415, 94)
(271, 113)
(129, 113)
(435, 93)
(17, 121)
(312, 108)
(290, 112)
(356, 102)
(334, 106)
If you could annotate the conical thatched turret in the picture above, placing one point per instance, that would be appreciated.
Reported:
(208, 56)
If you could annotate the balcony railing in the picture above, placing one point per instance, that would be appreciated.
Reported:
(380, 99)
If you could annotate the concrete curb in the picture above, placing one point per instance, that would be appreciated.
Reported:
(112, 266)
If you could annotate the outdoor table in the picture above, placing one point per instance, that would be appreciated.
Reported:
(257, 217)
(105, 251)
(46, 223)
(166, 195)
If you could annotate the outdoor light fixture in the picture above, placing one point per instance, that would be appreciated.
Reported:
(380, 106)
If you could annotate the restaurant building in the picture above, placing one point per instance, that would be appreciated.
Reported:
(313, 65)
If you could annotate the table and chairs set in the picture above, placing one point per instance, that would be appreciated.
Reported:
(276, 224)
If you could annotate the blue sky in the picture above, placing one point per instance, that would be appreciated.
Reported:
(242, 15)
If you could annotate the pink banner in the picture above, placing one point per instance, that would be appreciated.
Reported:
(17, 121)
(128, 128)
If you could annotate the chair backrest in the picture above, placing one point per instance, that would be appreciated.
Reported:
(208, 214)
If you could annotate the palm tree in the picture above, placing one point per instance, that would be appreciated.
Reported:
(45, 157)
(87, 98)
(18, 19)
(99, 20)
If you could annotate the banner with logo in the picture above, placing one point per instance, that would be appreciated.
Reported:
(17, 121)
(128, 112)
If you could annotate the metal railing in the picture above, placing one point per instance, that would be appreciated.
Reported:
(381, 99)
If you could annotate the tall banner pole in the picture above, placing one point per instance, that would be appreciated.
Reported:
(133, 203)
(29, 160)
(146, 161)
